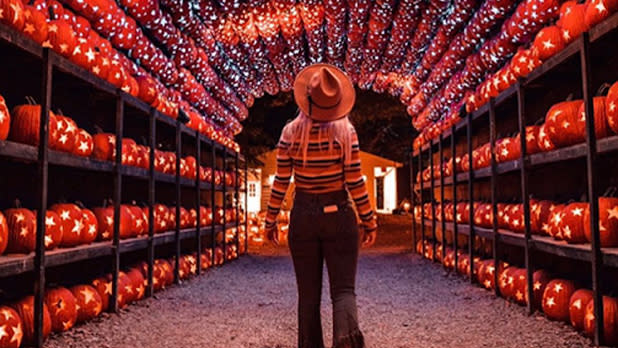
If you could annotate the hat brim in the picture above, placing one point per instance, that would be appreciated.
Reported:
(348, 94)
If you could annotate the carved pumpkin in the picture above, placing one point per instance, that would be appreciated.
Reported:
(572, 22)
(10, 325)
(61, 37)
(555, 221)
(138, 283)
(129, 152)
(72, 225)
(206, 258)
(25, 125)
(104, 146)
(548, 42)
(540, 279)
(87, 301)
(610, 317)
(599, 10)
(140, 220)
(54, 231)
(4, 233)
(126, 293)
(84, 144)
(143, 157)
(84, 54)
(600, 119)
(22, 230)
(105, 220)
(103, 285)
(520, 286)
(556, 299)
(608, 222)
(90, 227)
(25, 309)
(67, 133)
(577, 307)
(506, 282)
(62, 308)
(544, 142)
(12, 13)
(572, 224)
(611, 107)
(540, 212)
(5, 119)
(561, 123)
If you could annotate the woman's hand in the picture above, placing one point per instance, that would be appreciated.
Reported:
(272, 234)
(369, 238)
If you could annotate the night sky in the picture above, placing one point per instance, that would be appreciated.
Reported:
(381, 122)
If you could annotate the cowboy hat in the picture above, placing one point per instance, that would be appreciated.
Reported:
(324, 92)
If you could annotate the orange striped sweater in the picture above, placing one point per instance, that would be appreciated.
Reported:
(322, 172)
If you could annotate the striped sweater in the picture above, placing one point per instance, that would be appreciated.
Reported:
(322, 172)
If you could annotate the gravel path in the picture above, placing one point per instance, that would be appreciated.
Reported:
(404, 301)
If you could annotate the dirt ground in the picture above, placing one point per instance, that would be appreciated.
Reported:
(404, 301)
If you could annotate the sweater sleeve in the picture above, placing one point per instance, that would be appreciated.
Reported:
(356, 186)
(281, 182)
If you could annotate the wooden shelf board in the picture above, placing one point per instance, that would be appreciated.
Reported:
(11, 264)
(558, 155)
(63, 256)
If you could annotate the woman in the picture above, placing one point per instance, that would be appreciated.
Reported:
(320, 147)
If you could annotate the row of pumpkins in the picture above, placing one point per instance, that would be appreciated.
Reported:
(560, 299)
(22, 125)
(569, 222)
(65, 307)
(69, 225)
(158, 82)
(565, 124)
(257, 223)
(574, 19)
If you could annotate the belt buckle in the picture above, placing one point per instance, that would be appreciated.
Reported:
(330, 208)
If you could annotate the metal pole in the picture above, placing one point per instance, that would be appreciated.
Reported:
(591, 163)
(42, 181)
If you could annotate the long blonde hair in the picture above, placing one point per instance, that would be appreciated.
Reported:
(341, 131)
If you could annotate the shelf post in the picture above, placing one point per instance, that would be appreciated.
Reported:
(237, 202)
(593, 196)
(420, 168)
(213, 198)
(525, 196)
(178, 199)
(454, 185)
(224, 204)
(442, 220)
(494, 183)
(151, 199)
(117, 200)
(246, 205)
(470, 197)
(42, 181)
(433, 202)
(412, 198)
(198, 191)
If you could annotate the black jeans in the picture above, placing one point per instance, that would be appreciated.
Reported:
(315, 236)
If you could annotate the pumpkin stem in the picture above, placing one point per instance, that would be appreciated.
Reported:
(80, 204)
(98, 129)
(59, 112)
(30, 100)
(17, 203)
(569, 97)
(610, 192)
(602, 91)
(52, 14)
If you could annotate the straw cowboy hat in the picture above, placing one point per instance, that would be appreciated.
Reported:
(324, 92)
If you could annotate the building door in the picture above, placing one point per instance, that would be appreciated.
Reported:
(380, 193)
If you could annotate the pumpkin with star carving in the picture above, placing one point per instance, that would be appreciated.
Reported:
(84, 145)
(12, 13)
(54, 231)
(138, 283)
(572, 223)
(540, 211)
(5, 119)
(599, 10)
(62, 308)
(4, 233)
(544, 141)
(555, 221)
(25, 121)
(577, 307)
(104, 146)
(90, 226)
(105, 220)
(540, 279)
(611, 107)
(520, 285)
(87, 301)
(600, 119)
(126, 293)
(25, 309)
(610, 320)
(516, 218)
(561, 123)
(11, 329)
(548, 42)
(61, 36)
(67, 133)
(103, 285)
(35, 25)
(506, 282)
(556, 299)
(71, 221)
(22, 230)
(139, 219)
(572, 20)
(608, 222)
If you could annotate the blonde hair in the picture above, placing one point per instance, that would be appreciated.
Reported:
(341, 131)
